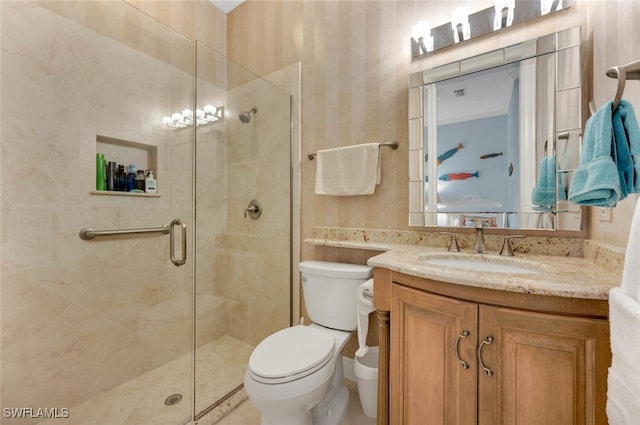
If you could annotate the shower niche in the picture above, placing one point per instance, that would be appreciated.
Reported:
(126, 152)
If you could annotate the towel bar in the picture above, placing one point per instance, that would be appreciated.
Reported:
(392, 145)
(630, 71)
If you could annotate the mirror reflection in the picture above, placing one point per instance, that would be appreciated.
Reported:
(498, 143)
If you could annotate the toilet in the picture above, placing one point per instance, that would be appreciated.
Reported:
(295, 375)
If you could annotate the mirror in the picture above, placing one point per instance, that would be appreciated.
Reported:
(496, 137)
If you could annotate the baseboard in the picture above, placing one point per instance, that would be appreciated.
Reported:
(347, 366)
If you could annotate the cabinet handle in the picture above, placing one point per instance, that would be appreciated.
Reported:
(487, 341)
(463, 334)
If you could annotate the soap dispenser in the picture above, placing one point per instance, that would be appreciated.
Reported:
(150, 183)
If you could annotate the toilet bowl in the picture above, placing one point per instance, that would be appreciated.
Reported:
(295, 375)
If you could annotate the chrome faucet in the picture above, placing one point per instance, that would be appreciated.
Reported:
(453, 246)
(480, 247)
(506, 246)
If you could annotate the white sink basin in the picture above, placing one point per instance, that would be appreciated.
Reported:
(483, 263)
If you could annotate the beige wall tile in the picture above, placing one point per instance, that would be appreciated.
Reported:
(71, 309)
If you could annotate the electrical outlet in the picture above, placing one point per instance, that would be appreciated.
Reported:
(606, 214)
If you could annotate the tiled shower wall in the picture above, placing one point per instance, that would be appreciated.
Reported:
(79, 317)
(243, 274)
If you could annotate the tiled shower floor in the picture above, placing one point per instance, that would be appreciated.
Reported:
(221, 366)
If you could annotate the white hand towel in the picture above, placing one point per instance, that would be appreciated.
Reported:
(623, 391)
(348, 171)
(624, 320)
(631, 270)
(364, 306)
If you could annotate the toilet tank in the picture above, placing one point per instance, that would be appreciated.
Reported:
(329, 291)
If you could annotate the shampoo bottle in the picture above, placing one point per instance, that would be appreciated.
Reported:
(131, 178)
(121, 178)
(150, 183)
(140, 180)
(101, 179)
(112, 168)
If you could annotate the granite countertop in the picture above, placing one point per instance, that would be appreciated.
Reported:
(574, 268)
(573, 277)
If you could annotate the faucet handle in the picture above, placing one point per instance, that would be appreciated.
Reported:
(506, 245)
(453, 247)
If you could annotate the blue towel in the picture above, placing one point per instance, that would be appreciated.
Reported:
(627, 135)
(560, 189)
(596, 181)
(622, 156)
(542, 197)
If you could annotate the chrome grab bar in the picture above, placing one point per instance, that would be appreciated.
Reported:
(88, 233)
(172, 252)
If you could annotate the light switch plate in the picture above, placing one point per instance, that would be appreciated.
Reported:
(605, 214)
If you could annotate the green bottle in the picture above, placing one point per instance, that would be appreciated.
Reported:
(101, 180)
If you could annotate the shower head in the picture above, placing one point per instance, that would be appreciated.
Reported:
(245, 116)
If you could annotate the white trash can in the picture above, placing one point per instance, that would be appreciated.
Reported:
(366, 370)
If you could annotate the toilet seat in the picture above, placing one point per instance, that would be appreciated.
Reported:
(291, 354)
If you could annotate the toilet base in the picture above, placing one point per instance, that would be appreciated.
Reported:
(334, 404)
(303, 418)
(335, 410)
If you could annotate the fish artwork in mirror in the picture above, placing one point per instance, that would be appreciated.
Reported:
(496, 137)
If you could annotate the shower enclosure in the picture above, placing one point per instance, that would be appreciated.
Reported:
(109, 330)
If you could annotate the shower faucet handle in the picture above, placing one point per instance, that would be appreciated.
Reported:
(254, 210)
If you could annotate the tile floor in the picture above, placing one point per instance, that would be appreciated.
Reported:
(220, 368)
(247, 414)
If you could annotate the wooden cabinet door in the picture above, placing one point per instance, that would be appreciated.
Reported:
(428, 385)
(547, 369)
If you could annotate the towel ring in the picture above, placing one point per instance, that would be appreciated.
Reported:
(621, 74)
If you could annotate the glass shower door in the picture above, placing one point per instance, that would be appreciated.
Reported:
(243, 222)
(94, 331)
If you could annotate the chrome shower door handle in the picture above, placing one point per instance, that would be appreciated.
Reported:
(172, 250)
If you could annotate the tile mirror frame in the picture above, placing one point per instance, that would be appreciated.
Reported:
(561, 53)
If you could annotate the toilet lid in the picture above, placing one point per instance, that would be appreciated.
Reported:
(291, 351)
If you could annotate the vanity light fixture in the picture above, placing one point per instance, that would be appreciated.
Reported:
(503, 14)
(421, 35)
(460, 24)
(208, 115)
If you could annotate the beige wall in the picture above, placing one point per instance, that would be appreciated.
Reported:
(613, 32)
(355, 61)
(193, 19)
